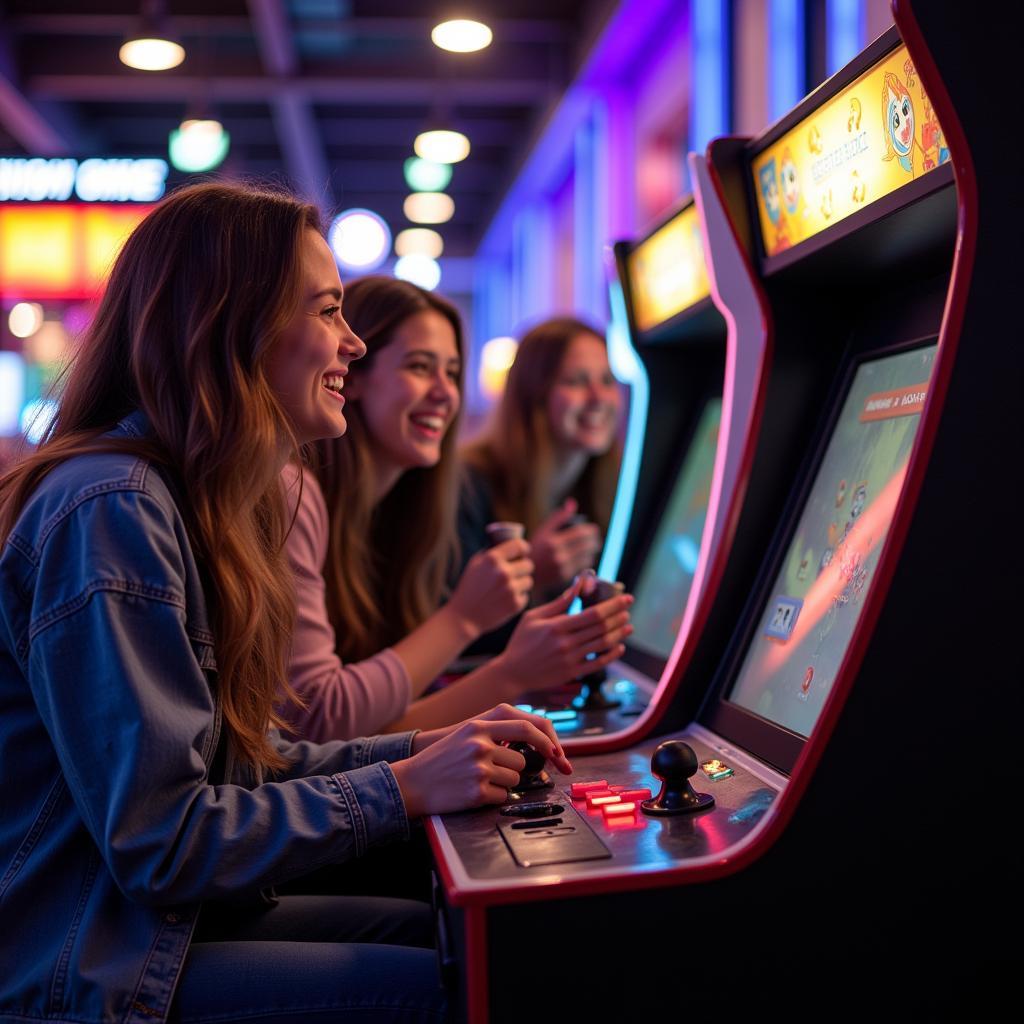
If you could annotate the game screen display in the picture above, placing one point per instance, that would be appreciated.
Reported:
(819, 592)
(665, 578)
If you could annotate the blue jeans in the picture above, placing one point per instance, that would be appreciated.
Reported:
(313, 958)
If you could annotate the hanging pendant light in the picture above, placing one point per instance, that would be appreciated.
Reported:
(152, 47)
(442, 145)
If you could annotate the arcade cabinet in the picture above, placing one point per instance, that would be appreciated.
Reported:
(841, 788)
(696, 377)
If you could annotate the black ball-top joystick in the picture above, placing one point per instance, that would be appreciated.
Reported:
(533, 775)
(674, 762)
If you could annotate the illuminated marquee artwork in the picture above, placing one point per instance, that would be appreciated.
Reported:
(667, 272)
(873, 137)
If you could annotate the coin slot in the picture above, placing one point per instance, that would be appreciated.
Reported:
(534, 810)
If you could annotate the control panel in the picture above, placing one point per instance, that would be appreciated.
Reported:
(619, 813)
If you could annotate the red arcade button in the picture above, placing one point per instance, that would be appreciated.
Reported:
(580, 789)
(618, 810)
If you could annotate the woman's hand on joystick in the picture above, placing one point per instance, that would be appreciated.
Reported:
(494, 587)
(561, 548)
(549, 647)
(533, 758)
(469, 764)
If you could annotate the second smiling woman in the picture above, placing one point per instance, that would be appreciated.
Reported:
(374, 539)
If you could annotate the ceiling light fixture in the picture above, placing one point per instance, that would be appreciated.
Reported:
(429, 207)
(426, 175)
(419, 270)
(152, 47)
(461, 35)
(420, 241)
(442, 145)
(198, 145)
(359, 239)
(149, 54)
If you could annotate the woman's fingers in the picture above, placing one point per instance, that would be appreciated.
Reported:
(583, 538)
(602, 659)
(519, 730)
(603, 633)
(495, 794)
(520, 567)
(507, 778)
(560, 516)
(511, 550)
(599, 615)
(506, 757)
(560, 605)
(510, 725)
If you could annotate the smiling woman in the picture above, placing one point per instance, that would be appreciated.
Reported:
(145, 627)
(403, 407)
(374, 540)
(410, 396)
(307, 367)
(550, 459)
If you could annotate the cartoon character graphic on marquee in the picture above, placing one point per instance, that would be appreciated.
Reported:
(790, 183)
(768, 180)
(842, 158)
(899, 119)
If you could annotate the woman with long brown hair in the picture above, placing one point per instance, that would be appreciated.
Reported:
(374, 540)
(144, 629)
(549, 458)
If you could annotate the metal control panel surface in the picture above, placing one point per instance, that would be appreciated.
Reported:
(630, 689)
(479, 857)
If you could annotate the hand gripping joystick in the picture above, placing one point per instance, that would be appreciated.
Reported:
(591, 697)
(533, 775)
(674, 762)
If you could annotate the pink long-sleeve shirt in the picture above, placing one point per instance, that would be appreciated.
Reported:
(342, 701)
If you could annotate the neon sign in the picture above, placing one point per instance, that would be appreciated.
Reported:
(96, 180)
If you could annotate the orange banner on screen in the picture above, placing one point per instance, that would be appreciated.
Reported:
(886, 405)
(667, 272)
(875, 136)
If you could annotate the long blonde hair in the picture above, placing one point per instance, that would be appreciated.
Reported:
(387, 561)
(198, 295)
(516, 453)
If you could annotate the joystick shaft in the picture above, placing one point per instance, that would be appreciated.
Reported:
(591, 698)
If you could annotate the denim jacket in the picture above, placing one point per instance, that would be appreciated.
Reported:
(121, 812)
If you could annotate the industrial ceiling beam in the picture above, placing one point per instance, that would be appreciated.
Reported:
(319, 89)
(22, 119)
(297, 130)
(27, 125)
(510, 30)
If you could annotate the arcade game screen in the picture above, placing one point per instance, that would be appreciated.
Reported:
(663, 585)
(817, 597)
